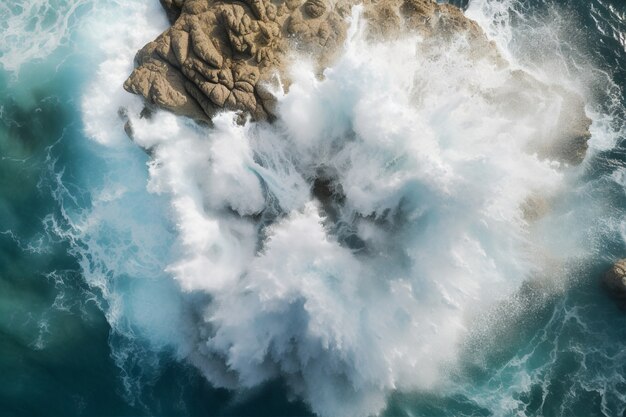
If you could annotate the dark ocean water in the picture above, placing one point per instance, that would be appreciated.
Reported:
(566, 357)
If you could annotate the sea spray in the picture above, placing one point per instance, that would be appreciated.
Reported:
(566, 353)
(117, 232)
(373, 288)
(346, 248)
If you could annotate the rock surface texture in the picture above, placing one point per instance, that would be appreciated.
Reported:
(225, 55)
(221, 54)
(615, 281)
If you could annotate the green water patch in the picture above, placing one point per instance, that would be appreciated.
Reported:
(54, 354)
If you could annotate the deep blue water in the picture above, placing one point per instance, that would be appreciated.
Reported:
(55, 341)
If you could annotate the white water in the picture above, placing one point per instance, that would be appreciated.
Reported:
(434, 174)
(243, 272)
(31, 30)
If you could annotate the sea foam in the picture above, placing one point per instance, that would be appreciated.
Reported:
(346, 248)
(350, 247)
(372, 289)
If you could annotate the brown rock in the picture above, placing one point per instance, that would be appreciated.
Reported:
(614, 281)
(315, 8)
(197, 67)
(172, 8)
(216, 53)
(219, 55)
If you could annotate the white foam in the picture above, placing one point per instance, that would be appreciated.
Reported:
(434, 170)
(119, 235)
(32, 30)
(433, 160)
(117, 34)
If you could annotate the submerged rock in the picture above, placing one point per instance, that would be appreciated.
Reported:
(615, 281)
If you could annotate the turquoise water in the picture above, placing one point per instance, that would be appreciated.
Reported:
(55, 345)
(66, 350)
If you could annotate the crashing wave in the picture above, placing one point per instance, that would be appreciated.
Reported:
(379, 200)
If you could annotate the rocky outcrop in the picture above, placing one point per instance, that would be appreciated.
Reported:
(225, 55)
(614, 281)
(222, 55)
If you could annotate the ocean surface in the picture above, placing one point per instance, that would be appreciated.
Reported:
(203, 279)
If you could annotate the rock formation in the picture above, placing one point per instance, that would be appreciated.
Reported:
(615, 281)
(225, 54)
(221, 54)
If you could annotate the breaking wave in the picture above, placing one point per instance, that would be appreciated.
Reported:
(350, 247)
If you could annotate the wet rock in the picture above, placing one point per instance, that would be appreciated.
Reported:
(315, 8)
(219, 55)
(535, 207)
(172, 8)
(614, 281)
(226, 55)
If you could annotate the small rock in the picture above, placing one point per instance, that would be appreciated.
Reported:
(615, 281)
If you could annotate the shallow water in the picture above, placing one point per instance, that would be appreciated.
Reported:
(91, 324)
